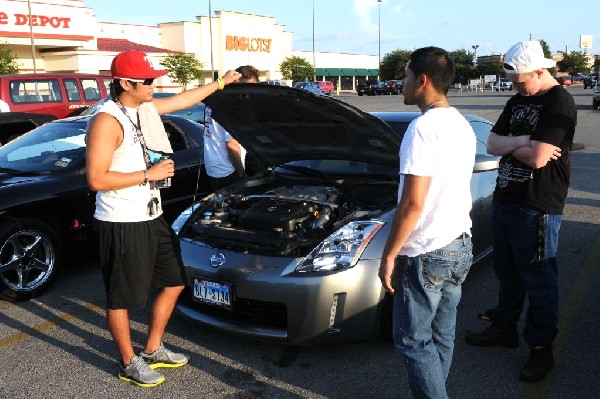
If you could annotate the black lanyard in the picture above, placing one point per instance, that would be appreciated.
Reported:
(138, 131)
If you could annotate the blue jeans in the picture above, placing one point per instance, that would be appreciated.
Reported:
(427, 292)
(525, 245)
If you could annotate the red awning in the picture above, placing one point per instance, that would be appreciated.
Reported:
(119, 45)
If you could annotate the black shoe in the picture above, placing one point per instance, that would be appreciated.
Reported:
(540, 362)
(498, 334)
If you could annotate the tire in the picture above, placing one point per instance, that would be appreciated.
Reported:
(360, 94)
(595, 104)
(30, 254)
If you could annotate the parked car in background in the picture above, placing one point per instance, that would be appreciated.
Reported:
(564, 80)
(596, 96)
(503, 84)
(393, 86)
(14, 124)
(46, 207)
(58, 94)
(590, 80)
(311, 87)
(370, 88)
(274, 82)
(327, 86)
(292, 254)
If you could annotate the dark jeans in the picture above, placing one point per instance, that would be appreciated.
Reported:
(218, 183)
(525, 245)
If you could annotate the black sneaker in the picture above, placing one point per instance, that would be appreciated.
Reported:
(540, 362)
(498, 334)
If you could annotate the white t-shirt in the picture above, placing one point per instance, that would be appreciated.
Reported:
(439, 144)
(216, 156)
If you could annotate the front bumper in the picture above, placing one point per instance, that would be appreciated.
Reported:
(273, 302)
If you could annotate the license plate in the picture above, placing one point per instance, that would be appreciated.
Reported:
(212, 293)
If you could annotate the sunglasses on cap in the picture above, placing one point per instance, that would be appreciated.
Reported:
(145, 82)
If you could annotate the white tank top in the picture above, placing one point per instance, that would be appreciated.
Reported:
(127, 204)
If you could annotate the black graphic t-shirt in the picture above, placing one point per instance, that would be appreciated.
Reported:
(549, 118)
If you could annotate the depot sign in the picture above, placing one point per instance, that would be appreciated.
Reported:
(36, 20)
(251, 44)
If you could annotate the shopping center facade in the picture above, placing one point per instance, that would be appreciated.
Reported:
(65, 36)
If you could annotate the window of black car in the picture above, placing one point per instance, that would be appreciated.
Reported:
(53, 147)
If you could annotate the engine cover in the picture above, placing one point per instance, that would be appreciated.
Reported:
(274, 214)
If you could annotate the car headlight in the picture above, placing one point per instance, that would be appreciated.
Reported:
(183, 217)
(342, 249)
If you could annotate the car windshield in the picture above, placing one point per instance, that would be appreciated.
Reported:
(51, 148)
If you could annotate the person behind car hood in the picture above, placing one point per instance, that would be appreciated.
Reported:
(222, 153)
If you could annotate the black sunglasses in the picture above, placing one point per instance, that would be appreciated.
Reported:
(145, 82)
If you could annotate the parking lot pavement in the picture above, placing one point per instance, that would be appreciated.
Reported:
(57, 346)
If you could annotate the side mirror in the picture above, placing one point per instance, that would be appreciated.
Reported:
(484, 163)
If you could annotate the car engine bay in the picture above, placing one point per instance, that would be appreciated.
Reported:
(283, 218)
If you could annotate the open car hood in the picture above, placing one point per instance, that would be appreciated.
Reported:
(280, 124)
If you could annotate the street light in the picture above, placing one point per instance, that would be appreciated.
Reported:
(31, 37)
(210, 34)
(313, 41)
(475, 47)
(379, 38)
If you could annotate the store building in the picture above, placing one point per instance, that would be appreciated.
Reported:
(64, 36)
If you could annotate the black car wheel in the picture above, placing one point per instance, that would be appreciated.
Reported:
(29, 256)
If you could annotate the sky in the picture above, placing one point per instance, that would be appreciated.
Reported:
(361, 26)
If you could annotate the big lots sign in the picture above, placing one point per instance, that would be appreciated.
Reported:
(36, 20)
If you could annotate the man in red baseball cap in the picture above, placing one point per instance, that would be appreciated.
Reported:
(137, 246)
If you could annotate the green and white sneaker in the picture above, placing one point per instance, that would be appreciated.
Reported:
(162, 357)
(139, 373)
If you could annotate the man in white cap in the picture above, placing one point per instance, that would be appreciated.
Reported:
(534, 136)
(138, 250)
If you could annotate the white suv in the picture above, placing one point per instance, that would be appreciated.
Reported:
(503, 84)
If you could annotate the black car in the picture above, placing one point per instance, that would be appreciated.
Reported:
(46, 207)
(393, 86)
(370, 88)
(14, 124)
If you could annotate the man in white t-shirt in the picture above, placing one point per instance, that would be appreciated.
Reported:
(222, 153)
(429, 252)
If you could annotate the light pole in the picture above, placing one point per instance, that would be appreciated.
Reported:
(475, 47)
(313, 41)
(212, 64)
(379, 38)
(31, 37)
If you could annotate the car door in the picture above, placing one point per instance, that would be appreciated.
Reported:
(483, 183)
(186, 141)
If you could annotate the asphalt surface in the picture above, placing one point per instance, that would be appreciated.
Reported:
(57, 346)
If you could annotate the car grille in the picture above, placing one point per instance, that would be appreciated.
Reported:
(267, 314)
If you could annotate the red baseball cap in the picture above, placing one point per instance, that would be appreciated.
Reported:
(134, 64)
